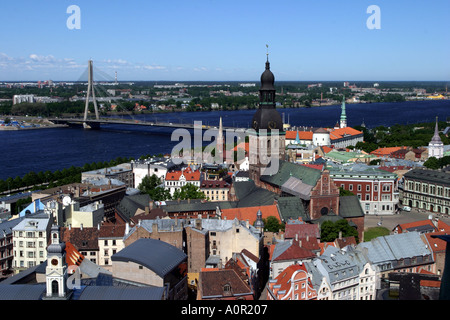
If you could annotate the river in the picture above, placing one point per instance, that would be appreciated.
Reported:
(55, 149)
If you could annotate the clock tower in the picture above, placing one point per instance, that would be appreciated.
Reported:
(56, 271)
(267, 139)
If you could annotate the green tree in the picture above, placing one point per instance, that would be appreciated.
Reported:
(151, 186)
(345, 193)
(432, 163)
(272, 224)
(330, 230)
(188, 191)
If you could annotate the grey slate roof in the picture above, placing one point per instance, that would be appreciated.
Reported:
(125, 293)
(297, 188)
(350, 207)
(434, 176)
(129, 204)
(22, 292)
(395, 247)
(249, 195)
(291, 208)
(156, 255)
(338, 265)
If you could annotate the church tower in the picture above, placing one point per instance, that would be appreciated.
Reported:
(436, 147)
(343, 120)
(56, 271)
(267, 141)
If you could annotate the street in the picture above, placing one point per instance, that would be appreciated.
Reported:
(391, 221)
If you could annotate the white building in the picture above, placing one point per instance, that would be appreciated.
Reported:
(176, 179)
(436, 147)
(145, 168)
(30, 240)
(21, 98)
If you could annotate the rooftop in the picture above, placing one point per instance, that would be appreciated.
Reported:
(156, 255)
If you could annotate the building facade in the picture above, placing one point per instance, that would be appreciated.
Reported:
(427, 189)
(376, 190)
(30, 240)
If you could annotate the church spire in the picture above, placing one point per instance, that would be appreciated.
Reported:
(436, 147)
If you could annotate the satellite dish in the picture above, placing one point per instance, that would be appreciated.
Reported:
(66, 200)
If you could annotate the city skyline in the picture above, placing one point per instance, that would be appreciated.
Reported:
(225, 41)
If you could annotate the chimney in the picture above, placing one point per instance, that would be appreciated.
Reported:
(340, 235)
(81, 227)
(146, 211)
(127, 228)
(70, 227)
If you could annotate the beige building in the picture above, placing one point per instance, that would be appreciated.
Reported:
(215, 190)
(153, 262)
(89, 216)
(227, 237)
(110, 241)
(30, 240)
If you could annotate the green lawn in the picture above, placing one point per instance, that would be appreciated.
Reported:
(374, 232)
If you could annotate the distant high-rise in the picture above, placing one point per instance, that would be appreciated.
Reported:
(343, 120)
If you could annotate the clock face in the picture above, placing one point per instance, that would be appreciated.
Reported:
(272, 125)
(54, 262)
(255, 124)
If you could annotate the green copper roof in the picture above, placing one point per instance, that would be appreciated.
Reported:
(289, 169)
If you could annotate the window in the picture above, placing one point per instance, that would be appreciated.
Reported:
(367, 187)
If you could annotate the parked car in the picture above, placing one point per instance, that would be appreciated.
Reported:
(406, 208)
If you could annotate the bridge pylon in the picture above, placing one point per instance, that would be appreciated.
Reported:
(90, 91)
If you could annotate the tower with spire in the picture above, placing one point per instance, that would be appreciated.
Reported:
(436, 146)
(268, 135)
(343, 120)
(219, 143)
(56, 270)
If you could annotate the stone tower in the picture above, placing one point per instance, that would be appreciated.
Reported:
(267, 139)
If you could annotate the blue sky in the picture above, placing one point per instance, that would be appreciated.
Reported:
(225, 40)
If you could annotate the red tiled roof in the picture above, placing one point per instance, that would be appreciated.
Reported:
(295, 252)
(326, 149)
(403, 227)
(206, 184)
(249, 213)
(430, 283)
(302, 135)
(73, 257)
(313, 166)
(302, 230)
(436, 244)
(242, 145)
(386, 151)
(188, 173)
(340, 133)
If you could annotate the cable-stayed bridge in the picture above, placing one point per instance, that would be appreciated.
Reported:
(95, 91)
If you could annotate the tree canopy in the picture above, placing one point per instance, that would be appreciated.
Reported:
(330, 230)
